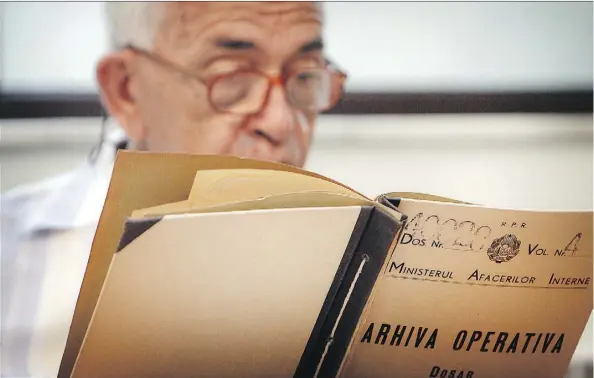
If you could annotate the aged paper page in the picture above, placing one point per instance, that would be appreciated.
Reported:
(217, 295)
(481, 293)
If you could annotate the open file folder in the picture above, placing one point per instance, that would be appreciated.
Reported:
(226, 267)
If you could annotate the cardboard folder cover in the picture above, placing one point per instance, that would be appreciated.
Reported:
(227, 267)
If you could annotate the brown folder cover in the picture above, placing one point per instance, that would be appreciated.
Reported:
(140, 180)
(139, 328)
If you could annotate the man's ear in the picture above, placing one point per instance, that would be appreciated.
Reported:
(114, 75)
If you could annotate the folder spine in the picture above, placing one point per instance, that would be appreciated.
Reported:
(375, 245)
(349, 294)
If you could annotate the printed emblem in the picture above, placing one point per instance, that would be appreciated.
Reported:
(504, 248)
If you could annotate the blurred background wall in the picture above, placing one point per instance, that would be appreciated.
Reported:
(428, 47)
(485, 102)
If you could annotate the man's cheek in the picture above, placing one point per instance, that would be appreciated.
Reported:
(305, 123)
(296, 148)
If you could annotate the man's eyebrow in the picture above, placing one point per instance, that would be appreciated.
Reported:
(314, 45)
(234, 44)
(238, 44)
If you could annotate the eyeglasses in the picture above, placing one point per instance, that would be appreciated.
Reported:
(246, 92)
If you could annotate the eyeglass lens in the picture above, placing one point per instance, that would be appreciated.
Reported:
(246, 92)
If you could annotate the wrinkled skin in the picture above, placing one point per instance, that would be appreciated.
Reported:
(163, 111)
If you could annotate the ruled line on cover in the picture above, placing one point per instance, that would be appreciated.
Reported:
(491, 285)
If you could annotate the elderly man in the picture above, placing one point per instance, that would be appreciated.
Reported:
(243, 79)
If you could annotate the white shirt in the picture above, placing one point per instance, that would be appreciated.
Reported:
(46, 233)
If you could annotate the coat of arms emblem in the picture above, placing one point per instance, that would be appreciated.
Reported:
(504, 248)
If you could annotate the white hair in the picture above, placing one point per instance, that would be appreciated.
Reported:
(137, 23)
(134, 23)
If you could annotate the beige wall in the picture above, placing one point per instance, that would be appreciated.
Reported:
(536, 161)
(500, 160)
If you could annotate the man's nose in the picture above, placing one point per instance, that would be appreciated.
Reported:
(276, 121)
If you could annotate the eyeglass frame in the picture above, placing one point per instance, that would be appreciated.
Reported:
(272, 80)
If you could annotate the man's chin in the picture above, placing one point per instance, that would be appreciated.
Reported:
(274, 160)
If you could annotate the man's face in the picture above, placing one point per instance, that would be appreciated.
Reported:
(168, 111)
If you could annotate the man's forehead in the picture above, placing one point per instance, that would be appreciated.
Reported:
(190, 15)
(283, 28)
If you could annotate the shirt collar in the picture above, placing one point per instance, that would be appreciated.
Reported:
(76, 198)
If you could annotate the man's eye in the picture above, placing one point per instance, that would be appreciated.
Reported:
(307, 77)
(304, 76)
